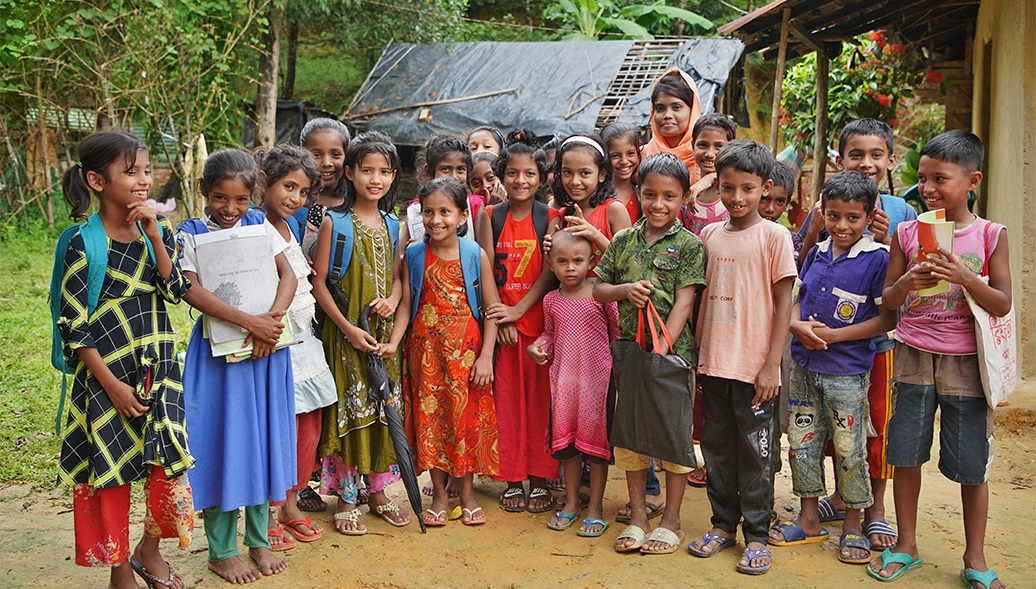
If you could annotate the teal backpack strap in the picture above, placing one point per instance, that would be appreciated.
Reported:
(415, 255)
(342, 237)
(471, 266)
(392, 223)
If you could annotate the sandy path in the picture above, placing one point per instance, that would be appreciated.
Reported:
(517, 550)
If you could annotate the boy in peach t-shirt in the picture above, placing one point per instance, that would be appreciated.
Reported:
(745, 313)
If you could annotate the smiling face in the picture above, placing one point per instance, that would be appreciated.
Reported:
(580, 174)
(740, 193)
(625, 159)
(521, 178)
(482, 178)
(483, 140)
(706, 147)
(867, 154)
(327, 148)
(372, 177)
(441, 217)
(773, 205)
(283, 197)
(660, 197)
(451, 164)
(671, 117)
(570, 259)
(945, 185)
(124, 182)
(845, 221)
(228, 201)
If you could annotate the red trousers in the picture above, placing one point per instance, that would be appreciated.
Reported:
(521, 391)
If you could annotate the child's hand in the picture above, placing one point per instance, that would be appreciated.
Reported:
(387, 350)
(918, 277)
(361, 340)
(124, 399)
(537, 354)
(501, 313)
(384, 308)
(261, 349)
(805, 332)
(548, 240)
(494, 194)
(482, 372)
(767, 383)
(139, 211)
(816, 221)
(639, 292)
(880, 226)
(952, 269)
(266, 327)
(507, 335)
(580, 227)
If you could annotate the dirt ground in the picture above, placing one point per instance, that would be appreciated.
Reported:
(517, 550)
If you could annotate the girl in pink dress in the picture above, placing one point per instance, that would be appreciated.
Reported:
(576, 336)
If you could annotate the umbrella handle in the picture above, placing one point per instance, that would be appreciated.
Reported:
(363, 322)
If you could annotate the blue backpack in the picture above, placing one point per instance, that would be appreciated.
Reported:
(297, 223)
(470, 266)
(95, 245)
(343, 234)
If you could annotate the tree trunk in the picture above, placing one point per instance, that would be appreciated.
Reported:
(682, 4)
(288, 89)
(266, 97)
(528, 13)
(44, 152)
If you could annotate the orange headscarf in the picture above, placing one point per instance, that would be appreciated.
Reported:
(685, 149)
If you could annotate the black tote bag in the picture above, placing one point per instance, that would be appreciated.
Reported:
(654, 397)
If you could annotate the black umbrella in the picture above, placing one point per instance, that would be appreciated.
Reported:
(381, 390)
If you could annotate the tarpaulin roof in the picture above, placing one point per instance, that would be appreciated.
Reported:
(548, 87)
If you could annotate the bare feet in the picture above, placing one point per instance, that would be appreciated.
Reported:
(267, 562)
(122, 577)
(453, 486)
(234, 570)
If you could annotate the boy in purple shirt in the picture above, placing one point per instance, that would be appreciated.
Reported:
(837, 313)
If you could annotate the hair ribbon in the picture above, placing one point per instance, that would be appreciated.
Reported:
(585, 141)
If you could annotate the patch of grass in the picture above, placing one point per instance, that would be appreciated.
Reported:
(29, 387)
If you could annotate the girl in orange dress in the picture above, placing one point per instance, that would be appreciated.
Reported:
(448, 366)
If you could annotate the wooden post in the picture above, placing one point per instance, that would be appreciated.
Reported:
(778, 82)
(820, 136)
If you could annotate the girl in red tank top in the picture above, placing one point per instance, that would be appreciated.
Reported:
(521, 387)
(583, 188)
(623, 146)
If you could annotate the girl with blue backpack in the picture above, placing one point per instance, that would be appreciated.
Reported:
(352, 260)
(450, 414)
(125, 423)
(242, 413)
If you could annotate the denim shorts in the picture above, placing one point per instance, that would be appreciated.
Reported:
(965, 432)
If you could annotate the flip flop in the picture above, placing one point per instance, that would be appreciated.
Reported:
(653, 511)
(284, 544)
(879, 526)
(888, 557)
(794, 535)
(308, 494)
(670, 538)
(593, 522)
(969, 575)
(634, 532)
(435, 519)
(709, 537)
(749, 555)
(511, 493)
(569, 518)
(853, 540)
(698, 482)
(472, 519)
(390, 507)
(292, 528)
(352, 516)
(151, 579)
(827, 511)
(542, 494)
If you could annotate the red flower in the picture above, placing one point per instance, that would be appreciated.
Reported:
(881, 42)
(893, 122)
(897, 49)
(884, 100)
(933, 78)
(875, 35)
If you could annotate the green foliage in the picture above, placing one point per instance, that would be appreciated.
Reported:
(868, 79)
(603, 19)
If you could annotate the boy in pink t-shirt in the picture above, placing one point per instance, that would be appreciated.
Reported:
(745, 312)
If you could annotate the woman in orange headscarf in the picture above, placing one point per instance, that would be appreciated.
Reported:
(675, 107)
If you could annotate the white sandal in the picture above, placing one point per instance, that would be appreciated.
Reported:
(352, 516)
(390, 507)
(670, 538)
(634, 532)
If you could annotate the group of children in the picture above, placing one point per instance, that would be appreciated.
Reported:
(493, 306)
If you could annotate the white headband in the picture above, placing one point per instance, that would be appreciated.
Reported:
(587, 141)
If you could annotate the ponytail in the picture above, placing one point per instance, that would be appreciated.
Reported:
(97, 153)
(76, 191)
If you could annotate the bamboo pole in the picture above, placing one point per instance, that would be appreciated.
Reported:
(820, 136)
(778, 83)
(363, 114)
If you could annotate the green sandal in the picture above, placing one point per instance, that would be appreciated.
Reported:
(969, 575)
(888, 557)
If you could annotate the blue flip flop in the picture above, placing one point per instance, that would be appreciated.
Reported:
(879, 526)
(709, 537)
(969, 575)
(827, 511)
(795, 535)
(593, 522)
(888, 557)
(854, 540)
(751, 570)
(569, 517)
